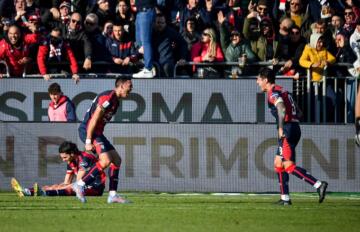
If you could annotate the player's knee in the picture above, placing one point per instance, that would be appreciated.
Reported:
(289, 166)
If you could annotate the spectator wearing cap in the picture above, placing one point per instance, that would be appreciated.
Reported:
(79, 41)
(60, 18)
(14, 50)
(60, 109)
(126, 18)
(55, 50)
(97, 39)
(169, 47)
(122, 50)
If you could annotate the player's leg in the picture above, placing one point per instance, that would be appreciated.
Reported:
(293, 133)
(17, 187)
(357, 118)
(65, 190)
(283, 178)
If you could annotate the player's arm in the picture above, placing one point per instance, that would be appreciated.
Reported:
(68, 179)
(98, 114)
(280, 106)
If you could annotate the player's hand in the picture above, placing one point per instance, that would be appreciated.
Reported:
(89, 147)
(357, 133)
(281, 133)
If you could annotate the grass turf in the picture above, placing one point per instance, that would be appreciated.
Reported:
(174, 212)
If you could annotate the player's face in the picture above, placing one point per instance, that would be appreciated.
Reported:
(55, 97)
(66, 157)
(125, 88)
(261, 82)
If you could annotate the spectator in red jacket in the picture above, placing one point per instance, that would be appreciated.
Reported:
(55, 49)
(14, 50)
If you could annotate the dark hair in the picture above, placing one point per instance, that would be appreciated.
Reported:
(267, 73)
(54, 88)
(68, 148)
(121, 80)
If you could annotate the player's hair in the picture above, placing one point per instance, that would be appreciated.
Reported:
(121, 80)
(54, 88)
(267, 73)
(68, 148)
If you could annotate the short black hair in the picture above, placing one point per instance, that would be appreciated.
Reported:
(68, 148)
(121, 80)
(54, 88)
(267, 73)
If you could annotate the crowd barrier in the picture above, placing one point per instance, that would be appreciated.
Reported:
(311, 96)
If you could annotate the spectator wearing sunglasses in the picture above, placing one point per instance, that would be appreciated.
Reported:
(79, 41)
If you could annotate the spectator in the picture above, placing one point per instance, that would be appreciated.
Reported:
(108, 29)
(345, 54)
(122, 50)
(14, 50)
(208, 51)
(262, 41)
(97, 40)
(62, 19)
(260, 9)
(169, 47)
(295, 48)
(321, 27)
(298, 13)
(315, 57)
(283, 39)
(79, 42)
(103, 12)
(61, 109)
(350, 23)
(54, 50)
(125, 17)
(22, 14)
(5, 24)
(190, 33)
(194, 10)
(336, 25)
(234, 44)
(144, 23)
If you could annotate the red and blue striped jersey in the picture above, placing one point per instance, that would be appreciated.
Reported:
(109, 102)
(276, 95)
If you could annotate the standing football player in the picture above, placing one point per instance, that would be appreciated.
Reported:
(91, 131)
(286, 113)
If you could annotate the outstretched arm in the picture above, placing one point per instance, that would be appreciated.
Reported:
(280, 106)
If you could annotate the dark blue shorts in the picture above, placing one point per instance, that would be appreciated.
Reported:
(288, 144)
(100, 142)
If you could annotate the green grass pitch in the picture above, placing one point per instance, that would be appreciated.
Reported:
(177, 212)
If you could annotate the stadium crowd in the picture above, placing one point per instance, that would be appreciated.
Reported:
(81, 36)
